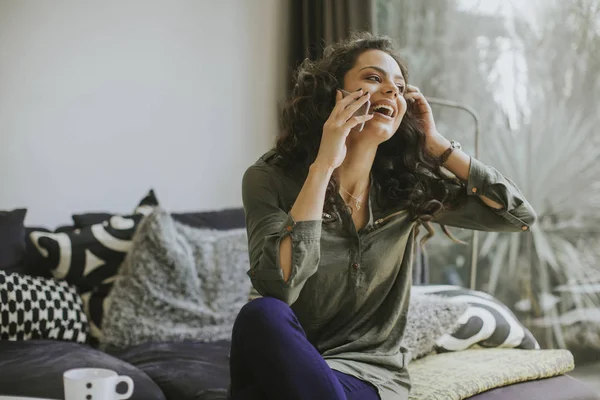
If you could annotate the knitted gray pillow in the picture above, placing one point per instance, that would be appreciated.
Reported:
(177, 282)
(429, 318)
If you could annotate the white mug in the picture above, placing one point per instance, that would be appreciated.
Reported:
(95, 384)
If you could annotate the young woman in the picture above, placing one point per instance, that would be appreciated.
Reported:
(331, 214)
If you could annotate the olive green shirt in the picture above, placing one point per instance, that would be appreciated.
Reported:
(349, 289)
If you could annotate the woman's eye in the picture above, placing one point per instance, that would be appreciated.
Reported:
(374, 78)
(401, 88)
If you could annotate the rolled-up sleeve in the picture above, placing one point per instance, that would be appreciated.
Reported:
(515, 215)
(267, 225)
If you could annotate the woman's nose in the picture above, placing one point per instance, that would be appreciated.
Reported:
(394, 91)
(390, 88)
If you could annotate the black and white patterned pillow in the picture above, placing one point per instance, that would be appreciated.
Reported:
(89, 258)
(40, 308)
(487, 321)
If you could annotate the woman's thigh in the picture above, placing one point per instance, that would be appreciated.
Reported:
(355, 388)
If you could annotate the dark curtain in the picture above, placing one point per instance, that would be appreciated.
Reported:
(315, 24)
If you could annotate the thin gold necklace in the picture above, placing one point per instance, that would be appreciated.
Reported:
(357, 199)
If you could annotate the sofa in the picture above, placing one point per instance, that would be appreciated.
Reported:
(192, 369)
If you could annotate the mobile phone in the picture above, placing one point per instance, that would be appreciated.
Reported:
(363, 110)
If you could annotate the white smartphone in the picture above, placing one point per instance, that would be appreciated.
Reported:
(363, 110)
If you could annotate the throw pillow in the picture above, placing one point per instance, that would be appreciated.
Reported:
(487, 321)
(33, 308)
(12, 239)
(429, 318)
(177, 283)
(90, 258)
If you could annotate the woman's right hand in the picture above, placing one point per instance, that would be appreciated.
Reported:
(332, 150)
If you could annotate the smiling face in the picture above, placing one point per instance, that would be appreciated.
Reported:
(378, 73)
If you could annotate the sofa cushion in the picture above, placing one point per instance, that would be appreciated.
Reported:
(34, 368)
(184, 370)
(225, 219)
(229, 218)
(12, 240)
(561, 387)
(84, 220)
(32, 307)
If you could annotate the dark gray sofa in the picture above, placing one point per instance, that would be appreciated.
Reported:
(182, 370)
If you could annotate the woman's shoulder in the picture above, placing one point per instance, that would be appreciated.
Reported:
(269, 166)
(266, 178)
(268, 159)
(265, 166)
(267, 170)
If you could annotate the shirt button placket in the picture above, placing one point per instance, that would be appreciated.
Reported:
(357, 275)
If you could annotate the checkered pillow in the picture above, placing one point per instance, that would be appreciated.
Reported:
(35, 308)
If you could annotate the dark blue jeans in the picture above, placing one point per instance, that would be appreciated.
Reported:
(271, 359)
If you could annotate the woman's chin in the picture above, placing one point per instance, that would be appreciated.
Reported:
(380, 129)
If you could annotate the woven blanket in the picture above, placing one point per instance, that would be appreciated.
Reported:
(459, 375)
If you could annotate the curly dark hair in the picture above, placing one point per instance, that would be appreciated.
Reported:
(403, 174)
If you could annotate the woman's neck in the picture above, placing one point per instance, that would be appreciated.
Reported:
(354, 173)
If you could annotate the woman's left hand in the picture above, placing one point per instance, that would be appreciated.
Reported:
(435, 143)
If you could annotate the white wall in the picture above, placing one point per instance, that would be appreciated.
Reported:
(102, 100)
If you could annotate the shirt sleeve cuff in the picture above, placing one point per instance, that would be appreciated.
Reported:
(302, 230)
(478, 175)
